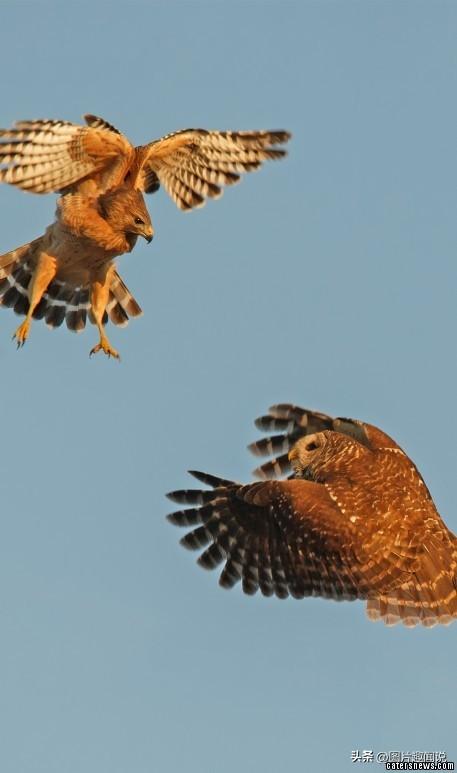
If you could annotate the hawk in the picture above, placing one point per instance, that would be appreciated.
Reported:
(69, 272)
(353, 519)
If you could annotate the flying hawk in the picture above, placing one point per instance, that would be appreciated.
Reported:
(353, 520)
(70, 272)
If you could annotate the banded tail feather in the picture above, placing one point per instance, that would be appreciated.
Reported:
(62, 301)
(77, 309)
(121, 304)
(13, 259)
(15, 274)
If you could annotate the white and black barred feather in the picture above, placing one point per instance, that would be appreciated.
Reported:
(62, 301)
(192, 164)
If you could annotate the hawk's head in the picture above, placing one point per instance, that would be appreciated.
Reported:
(125, 211)
(325, 454)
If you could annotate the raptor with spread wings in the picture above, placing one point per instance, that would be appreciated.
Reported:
(69, 272)
(354, 520)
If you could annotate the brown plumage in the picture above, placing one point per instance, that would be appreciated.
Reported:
(101, 178)
(355, 520)
(69, 272)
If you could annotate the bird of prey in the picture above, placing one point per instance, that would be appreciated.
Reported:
(353, 520)
(69, 272)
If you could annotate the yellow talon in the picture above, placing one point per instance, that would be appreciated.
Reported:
(105, 346)
(22, 333)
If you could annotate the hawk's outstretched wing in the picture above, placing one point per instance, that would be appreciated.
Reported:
(282, 537)
(193, 164)
(292, 537)
(43, 156)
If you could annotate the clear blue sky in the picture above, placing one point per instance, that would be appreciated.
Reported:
(328, 280)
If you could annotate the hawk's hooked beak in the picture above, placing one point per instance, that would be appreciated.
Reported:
(293, 454)
(148, 234)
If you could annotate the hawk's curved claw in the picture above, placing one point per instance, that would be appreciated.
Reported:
(21, 334)
(105, 346)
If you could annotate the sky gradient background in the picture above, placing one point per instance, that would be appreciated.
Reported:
(327, 280)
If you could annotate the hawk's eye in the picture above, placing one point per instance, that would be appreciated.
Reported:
(313, 446)
(139, 221)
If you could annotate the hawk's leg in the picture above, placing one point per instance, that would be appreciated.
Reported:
(43, 274)
(99, 294)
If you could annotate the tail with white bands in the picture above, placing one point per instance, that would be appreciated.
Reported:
(62, 301)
